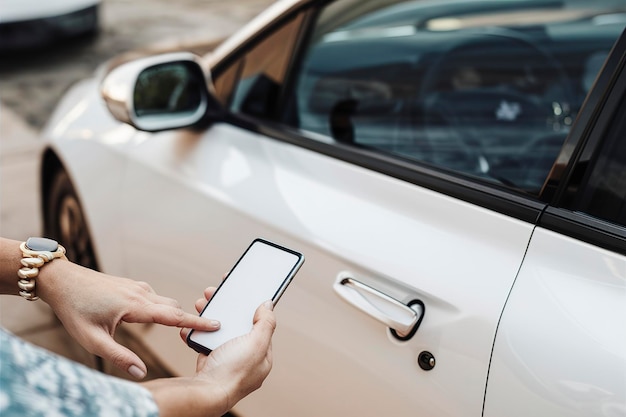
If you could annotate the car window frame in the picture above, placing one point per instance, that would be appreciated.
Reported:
(500, 199)
(235, 57)
(594, 121)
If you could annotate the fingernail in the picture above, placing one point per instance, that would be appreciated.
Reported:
(136, 372)
(269, 305)
(215, 324)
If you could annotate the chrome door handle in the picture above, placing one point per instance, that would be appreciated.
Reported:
(379, 305)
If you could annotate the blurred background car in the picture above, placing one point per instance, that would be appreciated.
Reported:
(28, 23)
(452, 170)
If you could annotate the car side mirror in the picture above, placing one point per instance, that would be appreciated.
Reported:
(161, 92)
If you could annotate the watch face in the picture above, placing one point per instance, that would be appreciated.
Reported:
(42, 244)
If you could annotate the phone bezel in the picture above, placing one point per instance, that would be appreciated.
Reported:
(277, 295)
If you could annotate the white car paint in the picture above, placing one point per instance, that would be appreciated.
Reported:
(74, 123)
(408, 233)
(385, 232)
(559, 348)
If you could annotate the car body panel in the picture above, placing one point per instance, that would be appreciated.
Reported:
(559, 351)
(86, 138)
(333, 212)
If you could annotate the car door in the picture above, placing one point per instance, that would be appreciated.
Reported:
(381, 221)
(561, 346)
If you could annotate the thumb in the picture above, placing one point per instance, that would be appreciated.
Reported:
(264, 319)
(121, 357)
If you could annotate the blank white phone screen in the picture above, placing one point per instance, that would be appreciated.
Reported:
(260, 275)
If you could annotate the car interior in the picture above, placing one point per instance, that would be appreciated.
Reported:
(440, 86)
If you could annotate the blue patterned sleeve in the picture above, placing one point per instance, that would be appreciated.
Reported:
(35, 382)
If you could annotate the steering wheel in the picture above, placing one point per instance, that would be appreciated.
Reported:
(486, 96)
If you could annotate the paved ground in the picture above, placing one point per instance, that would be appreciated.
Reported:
(32, 82)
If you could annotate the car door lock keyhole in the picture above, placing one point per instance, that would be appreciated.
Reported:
(426, 360)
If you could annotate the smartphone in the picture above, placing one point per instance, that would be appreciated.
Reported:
(262, 273)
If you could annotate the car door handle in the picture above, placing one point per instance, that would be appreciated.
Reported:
(379, 305)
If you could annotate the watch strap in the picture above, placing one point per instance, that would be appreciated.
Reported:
(36, 252)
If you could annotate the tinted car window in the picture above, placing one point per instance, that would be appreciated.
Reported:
(486, 89)
(253, 82)
(603, 192)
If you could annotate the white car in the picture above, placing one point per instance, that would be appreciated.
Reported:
(453, 171)
(35, 23)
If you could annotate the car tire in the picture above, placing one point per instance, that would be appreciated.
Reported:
(65, 222)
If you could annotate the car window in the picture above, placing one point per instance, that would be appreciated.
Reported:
(603, 189)
(485, 89)
(251, 84)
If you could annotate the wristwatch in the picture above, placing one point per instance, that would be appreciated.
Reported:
(36, 252)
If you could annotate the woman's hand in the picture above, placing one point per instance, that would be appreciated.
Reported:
(91, 305)
(240, 365)
(224, 377)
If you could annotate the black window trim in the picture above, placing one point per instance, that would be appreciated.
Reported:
(585, 228)
(590, 117)
(594, 121)
(493, 197)
(506, 201)
(500, 199)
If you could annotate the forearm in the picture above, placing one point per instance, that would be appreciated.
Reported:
(10, 256)
(189, 397)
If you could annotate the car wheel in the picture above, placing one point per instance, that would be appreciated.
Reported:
(65, 222)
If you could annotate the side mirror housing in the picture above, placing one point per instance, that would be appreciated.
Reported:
(161, 92)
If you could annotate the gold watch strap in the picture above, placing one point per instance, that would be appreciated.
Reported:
(36, 252)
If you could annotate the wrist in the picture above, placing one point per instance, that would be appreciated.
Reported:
(51, 279)
(36, 253)
(10, 264)
(197, 396)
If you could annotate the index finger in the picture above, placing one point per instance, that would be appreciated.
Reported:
(171, 316)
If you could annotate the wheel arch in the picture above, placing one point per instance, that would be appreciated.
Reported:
(51, 167)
